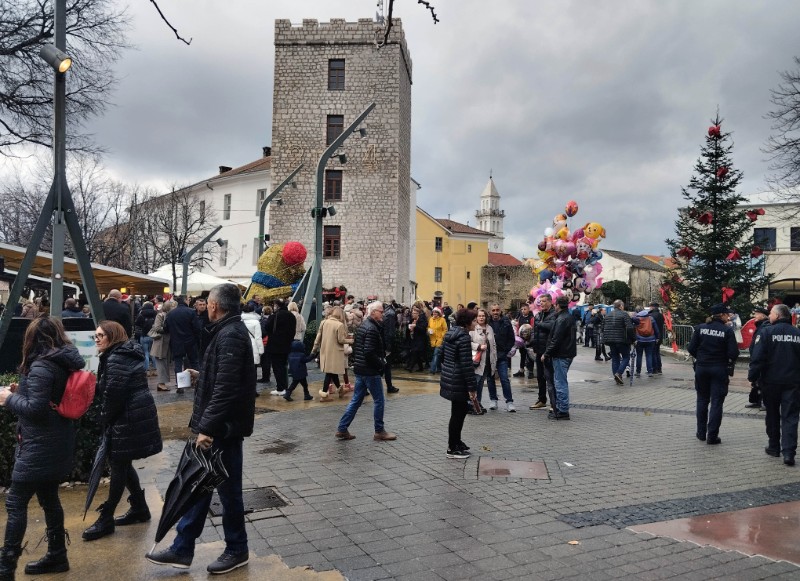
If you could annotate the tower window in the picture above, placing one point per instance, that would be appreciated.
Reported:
(226, 208)
(334, 128)
(223, 254)
(438, 244)
(260, 196)
(332, 242)
(333, 185)
(469, 249)
(437, 274)
(336, 75)
(469, 275)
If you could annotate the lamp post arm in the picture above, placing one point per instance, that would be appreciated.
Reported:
(262, 213)
(187, 257)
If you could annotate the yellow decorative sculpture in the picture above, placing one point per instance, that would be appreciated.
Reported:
(280, 269)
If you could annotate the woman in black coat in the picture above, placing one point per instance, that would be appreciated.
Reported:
(418, 339)
(129, 418)
(45, 444)
(458, 382)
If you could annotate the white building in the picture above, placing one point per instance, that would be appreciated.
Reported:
(490, 216)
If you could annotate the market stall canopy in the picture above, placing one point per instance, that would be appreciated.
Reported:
(106, 277)
(196, 282)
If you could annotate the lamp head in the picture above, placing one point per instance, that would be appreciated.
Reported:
(331, 211)
(60, 61)
(279, 202)
(221, 242)
(342, 158)
(362, 132)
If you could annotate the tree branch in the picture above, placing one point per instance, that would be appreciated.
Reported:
(175, 30)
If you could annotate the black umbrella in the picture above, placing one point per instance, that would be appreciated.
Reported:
(97, 470)
(198, 473)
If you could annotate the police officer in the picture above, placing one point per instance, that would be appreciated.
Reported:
(713, 346)
(776, 366)
(761, 317)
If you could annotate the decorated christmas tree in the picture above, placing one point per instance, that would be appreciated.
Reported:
(714, 250)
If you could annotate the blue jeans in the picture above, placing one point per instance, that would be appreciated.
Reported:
(502, 371)
(711, 383)
(479, 381)
(620, 357)
(436, 364)
(190, 527)
(560, 369)
(647, 350)
(146, 343)
(375, 387)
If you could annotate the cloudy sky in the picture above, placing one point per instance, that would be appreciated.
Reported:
(605, 102)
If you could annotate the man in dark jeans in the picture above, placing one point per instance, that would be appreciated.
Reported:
(224, 405)
(281, 327)
(618, 334)
(658, 317)
(182, 325)
(542, 325)
(389, 330)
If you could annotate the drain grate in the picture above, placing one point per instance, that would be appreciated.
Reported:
(255, 500)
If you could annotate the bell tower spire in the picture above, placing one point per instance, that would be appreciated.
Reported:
(490, 216)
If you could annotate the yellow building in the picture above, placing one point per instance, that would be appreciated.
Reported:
(449, 260)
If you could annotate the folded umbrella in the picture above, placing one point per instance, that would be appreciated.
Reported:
(198, 473)
(96, 474)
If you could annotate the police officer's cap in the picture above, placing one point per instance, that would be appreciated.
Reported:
(719, 309)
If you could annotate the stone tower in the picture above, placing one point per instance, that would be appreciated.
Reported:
(490, 216)
(326, 74)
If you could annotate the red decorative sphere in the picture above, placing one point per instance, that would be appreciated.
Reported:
(293, 253)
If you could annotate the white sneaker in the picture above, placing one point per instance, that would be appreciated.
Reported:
(276, 392)
(510, 406)
(493, 404)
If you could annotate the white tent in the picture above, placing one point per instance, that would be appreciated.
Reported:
(196, 282)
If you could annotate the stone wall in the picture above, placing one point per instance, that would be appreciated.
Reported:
(509, 286)
(375, 210)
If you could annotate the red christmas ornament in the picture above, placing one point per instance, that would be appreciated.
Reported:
(665, 290)
(706, 218)
(760, 211)
(734, 255)
(686, 252)
(714, 131)
(722, 172)
(727, 294)
(753, 216)
(293, 253)
(756, 252)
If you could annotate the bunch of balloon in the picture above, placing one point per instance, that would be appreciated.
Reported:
(568, 261)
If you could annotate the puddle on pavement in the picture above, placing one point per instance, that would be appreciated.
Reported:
(767, 530)
(278, 447)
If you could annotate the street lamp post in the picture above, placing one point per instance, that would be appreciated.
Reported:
(262, 213)
(314, 288)
(59, 202)
(187, 257)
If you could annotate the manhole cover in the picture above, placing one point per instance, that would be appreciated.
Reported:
(512, 469)
(279, 447)
(255, 500)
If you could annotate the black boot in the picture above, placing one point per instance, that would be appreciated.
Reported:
(8, 562)
(103, 526)
(55, 561)
(138, 512)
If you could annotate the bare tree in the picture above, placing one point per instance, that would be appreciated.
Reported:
(162, 228)
(783, 146)
(96, 36)
(21, 201)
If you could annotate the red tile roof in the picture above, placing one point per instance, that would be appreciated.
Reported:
(459, 228)
(503, 259)
(257, 165)
(664, 261)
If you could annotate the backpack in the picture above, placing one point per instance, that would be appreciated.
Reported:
(78, 395)
(645, 327)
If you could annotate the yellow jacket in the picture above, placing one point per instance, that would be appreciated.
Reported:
(437, 327)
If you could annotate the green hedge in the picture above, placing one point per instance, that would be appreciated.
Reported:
(86, 441)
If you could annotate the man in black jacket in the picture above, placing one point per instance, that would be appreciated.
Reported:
(368, 363)
(561, 349)
(281, 326)
(182, 326)
(389, 331)
(115, 310)
(755, 399)
(618, 334)
(658, 317)
(224, 404)
(504, 339)
(776, 366)
(542, 325)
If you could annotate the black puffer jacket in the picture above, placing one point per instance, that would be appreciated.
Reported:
(458, 372)
(45, 440)
(503, 335)
(144, 322)
(368, 350)
(128, 409)
(618, 328)
(281, 327)
(225, 398)
(389, 327)
(542, 325)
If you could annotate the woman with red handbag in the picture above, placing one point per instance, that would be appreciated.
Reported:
(483, 343)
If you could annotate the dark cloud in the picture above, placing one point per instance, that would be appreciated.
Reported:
(602, 102)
